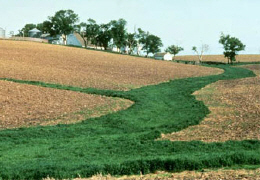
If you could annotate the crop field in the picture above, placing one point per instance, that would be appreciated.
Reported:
(26, 105)
(221, 58)
(85, 68)
(235, 111)
(126, 142)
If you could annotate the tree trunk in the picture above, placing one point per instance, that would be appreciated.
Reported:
(64, 37)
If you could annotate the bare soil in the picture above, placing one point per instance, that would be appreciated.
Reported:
(26, 105)
(221, 58)
(235, 111)
(88, 68)
(220, 174)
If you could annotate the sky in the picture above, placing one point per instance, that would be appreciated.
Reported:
(185, 23)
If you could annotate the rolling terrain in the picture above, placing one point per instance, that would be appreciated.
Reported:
(221, 58)
(85, 68)
(122, 143)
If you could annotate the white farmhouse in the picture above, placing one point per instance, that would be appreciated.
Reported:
(163, 56)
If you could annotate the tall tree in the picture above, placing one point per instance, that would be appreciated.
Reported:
(151, 43)
(63, 22)
(118, 31)
(92, 30)
(131, 42)
(199, 52)
(104, 35)
(46, 27)
(140, 37)
(173, 49)
(231, 46)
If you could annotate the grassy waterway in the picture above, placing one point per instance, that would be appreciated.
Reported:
(124, 142)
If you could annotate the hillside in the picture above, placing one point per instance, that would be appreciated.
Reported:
(122, 143)
(87, 68)
(221, 58)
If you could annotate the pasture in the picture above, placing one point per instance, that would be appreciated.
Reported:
(122, 143)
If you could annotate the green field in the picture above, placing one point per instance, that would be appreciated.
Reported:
(124, 142)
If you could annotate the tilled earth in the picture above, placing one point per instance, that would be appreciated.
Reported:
(26, 105)
(88, 68)
(221, 58)
(235, 111)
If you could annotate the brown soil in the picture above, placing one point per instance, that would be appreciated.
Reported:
(26, 105)
(187, 175)
(221, 58)
(235, 111)
(88, 68)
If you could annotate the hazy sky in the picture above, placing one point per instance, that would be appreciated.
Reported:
(181, 22)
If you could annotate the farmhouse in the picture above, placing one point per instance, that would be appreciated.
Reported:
(163, 56)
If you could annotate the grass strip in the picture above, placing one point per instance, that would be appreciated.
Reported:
(124, 142)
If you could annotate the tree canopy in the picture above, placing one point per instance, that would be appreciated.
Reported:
(118, 32)
(150, 42)
(63, 22)
(174, 49)
(106, 35)
(231, 46)
(25, 30)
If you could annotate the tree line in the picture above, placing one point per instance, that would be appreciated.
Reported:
(111, 34)
(114, 34)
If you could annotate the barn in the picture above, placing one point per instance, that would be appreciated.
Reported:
(163, 56)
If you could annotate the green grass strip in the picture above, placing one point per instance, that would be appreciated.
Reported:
(124, 142)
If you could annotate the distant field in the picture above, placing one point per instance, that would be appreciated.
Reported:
(26, 105)
(221, 58)
(86, 68)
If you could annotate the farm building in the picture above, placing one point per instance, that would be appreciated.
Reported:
(2, 33)
(163, 56)
(73, 39)
(35, 33)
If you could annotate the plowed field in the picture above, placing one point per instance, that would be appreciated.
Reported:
(26, 105)
(86, 68)
(235, 111)
(221, 58)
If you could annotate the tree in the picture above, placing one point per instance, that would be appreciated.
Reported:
(173, 49)
(118, 31)
(92, 30)
(131, 42)
(63, 22)
(204, 48)
(231, 46)
(25, 30)
(46, 27)
(104, 35)
(140, 37)
(151, 43)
